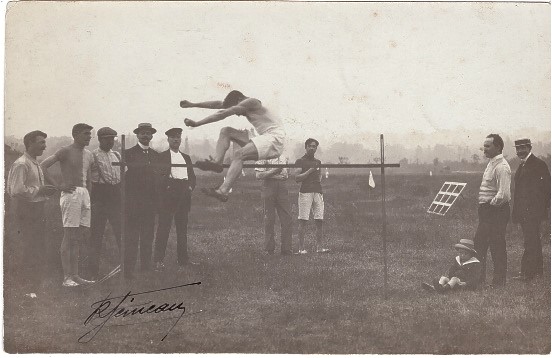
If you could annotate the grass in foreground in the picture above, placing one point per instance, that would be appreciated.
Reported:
(331, 303)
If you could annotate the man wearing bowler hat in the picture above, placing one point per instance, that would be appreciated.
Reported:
(175, 194)
(105, 197)
(531, 206)
(141, 200)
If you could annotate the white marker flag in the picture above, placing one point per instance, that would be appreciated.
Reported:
(371, 181)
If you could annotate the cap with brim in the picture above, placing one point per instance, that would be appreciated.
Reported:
(173, 132)
(145, 126)
(522, 142)
(106, 132)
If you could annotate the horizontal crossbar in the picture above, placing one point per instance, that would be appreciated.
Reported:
(160, 165)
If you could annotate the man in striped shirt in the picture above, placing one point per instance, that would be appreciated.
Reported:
(27, 188)
(494, 210)
(105, 198)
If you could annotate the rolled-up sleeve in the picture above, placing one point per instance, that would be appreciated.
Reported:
(503, 177)
(16, 183)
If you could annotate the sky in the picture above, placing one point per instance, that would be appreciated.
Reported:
(330, 70)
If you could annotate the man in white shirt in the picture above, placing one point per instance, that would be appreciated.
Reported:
(105, 197)
(29, 193)
(275, 199)
(494, 210)
(175, 194)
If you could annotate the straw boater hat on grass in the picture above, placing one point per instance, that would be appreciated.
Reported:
(466, 244)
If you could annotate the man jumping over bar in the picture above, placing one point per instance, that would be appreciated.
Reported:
(267, 145)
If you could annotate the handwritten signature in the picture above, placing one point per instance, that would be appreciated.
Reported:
(123, 306)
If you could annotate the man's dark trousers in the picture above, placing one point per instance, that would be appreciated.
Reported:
(140, 228)
(275, 198)
(105, 201)
(531, 261)
(31, 228)
(175, 203)
(531, 207)
(141, 208)
(491, 234)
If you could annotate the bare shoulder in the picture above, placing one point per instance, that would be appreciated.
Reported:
(251, 103)
(62, 152)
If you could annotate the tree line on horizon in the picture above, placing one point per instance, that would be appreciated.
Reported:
(439, 156)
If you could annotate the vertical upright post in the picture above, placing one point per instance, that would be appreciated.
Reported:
(122, 168)
(384, 216)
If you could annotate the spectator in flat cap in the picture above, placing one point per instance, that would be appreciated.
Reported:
(175, 194)
(76, 163)
(531, 207)
(141, 198)
(105, 197)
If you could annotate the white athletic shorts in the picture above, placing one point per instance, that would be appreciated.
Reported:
(75, 208)
(308, 201)
(270, 144)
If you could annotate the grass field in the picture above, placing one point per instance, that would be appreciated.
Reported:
(333, 303)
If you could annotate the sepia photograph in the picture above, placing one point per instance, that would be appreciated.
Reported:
(277, 177)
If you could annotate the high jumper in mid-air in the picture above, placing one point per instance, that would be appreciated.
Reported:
(268, 144)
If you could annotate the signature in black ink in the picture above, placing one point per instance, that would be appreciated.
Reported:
(124, 306)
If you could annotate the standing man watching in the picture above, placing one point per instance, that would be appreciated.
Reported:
(175, 197)
(275, 199)
(141, 200)
(26, 186)
(75, 162)
(310, 195)
(494, 210)
(105, 196)
(531, 206)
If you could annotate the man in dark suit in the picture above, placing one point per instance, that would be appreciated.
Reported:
(175, 193)
(531, 206)
(141, 200)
